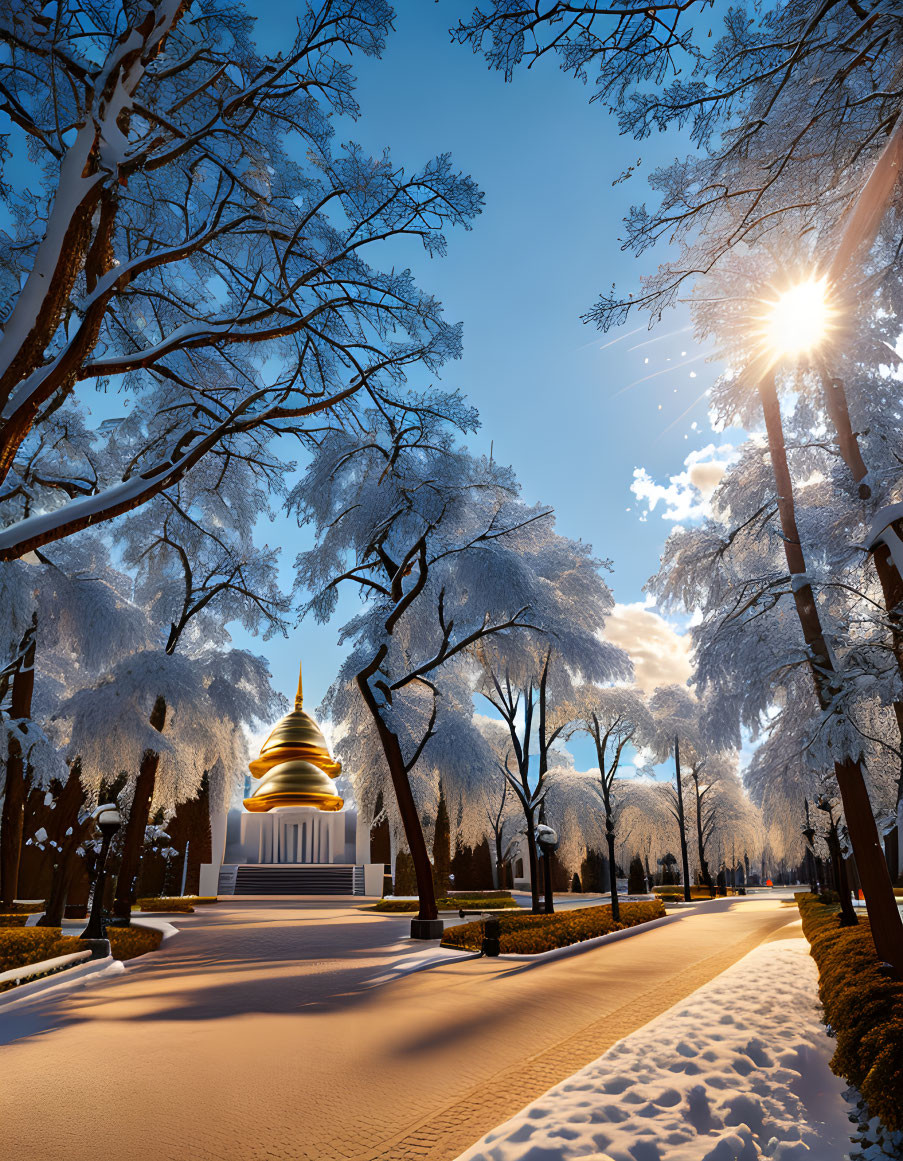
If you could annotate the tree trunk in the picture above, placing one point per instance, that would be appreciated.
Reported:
(893, 842)
(534, 863)
(610, 839)
(848, 916)
(548, 907)
(407, 808)
(609, 821)
(682, 822)
(12, 819)
(441, 848)
(497, 865)
(703, 861)
(12, 824)
(60, 885)
(68, 833)
(135, 827)
(859, 233)
(885, 919)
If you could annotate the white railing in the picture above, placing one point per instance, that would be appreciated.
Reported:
(46, 967)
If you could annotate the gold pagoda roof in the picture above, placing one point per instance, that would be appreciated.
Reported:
(294, 765)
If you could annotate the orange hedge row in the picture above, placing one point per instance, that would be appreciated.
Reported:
(528, 934)
(863, 1006)
(458, 902)
(127, 942)
(677, 892)
(16, 920)
(183, 903)
(20, 946)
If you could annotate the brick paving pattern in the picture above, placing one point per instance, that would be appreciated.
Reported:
(252, 1035)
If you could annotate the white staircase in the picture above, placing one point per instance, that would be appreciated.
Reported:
(297, 879)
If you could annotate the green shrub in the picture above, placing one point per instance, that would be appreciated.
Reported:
(863, 1005)
(528, 934)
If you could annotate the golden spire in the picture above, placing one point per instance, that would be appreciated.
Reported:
(294, 765)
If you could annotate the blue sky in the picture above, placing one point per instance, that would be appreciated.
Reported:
(575, 412)
(559, 401)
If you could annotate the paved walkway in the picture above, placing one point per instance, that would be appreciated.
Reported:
(252, 1035)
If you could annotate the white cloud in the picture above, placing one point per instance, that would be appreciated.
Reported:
(686, 496)
(660, 655)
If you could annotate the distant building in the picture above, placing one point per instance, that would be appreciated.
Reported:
(293, 835)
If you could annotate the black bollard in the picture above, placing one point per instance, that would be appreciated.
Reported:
(492, 930)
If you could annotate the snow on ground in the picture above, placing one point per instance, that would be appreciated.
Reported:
(736, 1072)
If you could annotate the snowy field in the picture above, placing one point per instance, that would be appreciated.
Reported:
(736, 1072)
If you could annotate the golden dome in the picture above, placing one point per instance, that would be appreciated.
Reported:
(294, 783)
(295, 766)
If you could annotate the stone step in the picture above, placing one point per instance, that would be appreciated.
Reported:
(317, 879)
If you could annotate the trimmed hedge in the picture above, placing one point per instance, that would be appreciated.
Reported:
(128, 942)
(458, 902)
(528, 934)
(20, 946)
(863, 1005)
(671, 892)
(17, 920)
(30, 945)
(182, 903)
(501, 893)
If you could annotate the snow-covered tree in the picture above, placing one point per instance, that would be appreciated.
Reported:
(645, 820)
(789, 108)
(725, 818)
(793, 121)
(572, 806)
(677, 728)
(197, 568)
(531, 679)
(197, 234)
(500, 807)
(439, 547)
(615, 718)
(75, 618)
(195, 560)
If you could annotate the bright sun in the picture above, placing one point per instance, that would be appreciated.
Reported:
(798, 321)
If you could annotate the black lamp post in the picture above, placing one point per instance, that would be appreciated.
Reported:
(108, 822)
